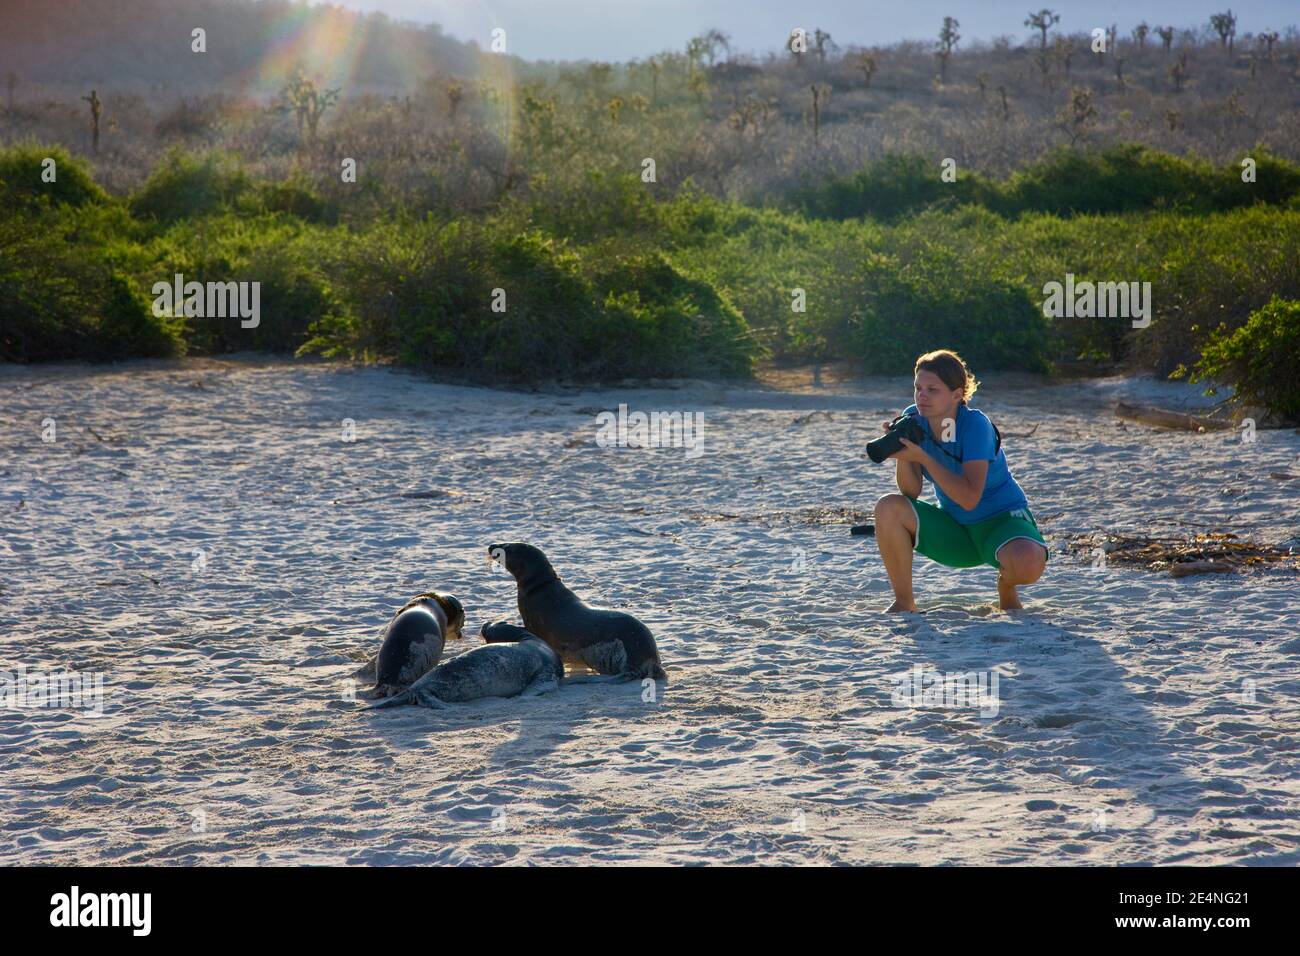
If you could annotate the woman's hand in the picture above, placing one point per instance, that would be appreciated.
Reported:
(911, 452)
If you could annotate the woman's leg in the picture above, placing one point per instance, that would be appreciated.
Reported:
(896, 536)
(1020, 561)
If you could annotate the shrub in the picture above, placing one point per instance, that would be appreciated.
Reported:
(656, 321)
(127, 327)
(423, 293)
(61, 296)
(1121, 179)
(286, 257)
(187, 187)
(937, 301)
(888, 189)
(21, 182)
(1066, 182)
(1261, 359)
(296, 198)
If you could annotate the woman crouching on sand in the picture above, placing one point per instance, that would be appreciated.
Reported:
(982, 516)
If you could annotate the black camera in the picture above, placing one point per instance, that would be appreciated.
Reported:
(904, 426)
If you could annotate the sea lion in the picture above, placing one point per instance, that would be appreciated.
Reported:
(413, 643)
(503, 632)
(522, 667)
(609, 642)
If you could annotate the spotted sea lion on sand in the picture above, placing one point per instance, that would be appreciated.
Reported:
(609, 642)
(413, 643)
(522, 666)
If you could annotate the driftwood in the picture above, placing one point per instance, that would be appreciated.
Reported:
(812, 416)
(1161, 418)
(1188, 568)
(1022, 434)
(1181, 557)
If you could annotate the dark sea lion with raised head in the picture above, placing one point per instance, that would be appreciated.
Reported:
(609, 642)
(413, 643)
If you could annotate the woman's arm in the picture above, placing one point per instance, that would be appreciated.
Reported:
(966, 489)
(908, 477)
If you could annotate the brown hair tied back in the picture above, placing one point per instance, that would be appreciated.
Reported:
(951, 369)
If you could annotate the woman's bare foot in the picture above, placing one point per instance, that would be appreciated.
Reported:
(1008, 600)
(899, 607)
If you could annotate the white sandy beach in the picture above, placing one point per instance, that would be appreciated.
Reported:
(1125, 731)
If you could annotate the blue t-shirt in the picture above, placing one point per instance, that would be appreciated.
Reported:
(975, 442)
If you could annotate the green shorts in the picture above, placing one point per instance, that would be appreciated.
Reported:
(940, 537)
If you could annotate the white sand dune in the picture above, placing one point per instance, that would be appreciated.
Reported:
(1125, 730)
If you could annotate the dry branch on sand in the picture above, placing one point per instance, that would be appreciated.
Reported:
(1202, 553)
(1161, 418)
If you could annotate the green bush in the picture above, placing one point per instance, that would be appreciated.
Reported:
(296, 198)
(938, 301)
(1121, 179)
(888, 189)
(1066, 182)
(423, 293)
(127, 327)
(656, 321)
(286, 257)
(187, 187)
(62, 296)
(1260, 360)
(21, 182)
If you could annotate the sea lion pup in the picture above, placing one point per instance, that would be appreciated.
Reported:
(524, 666)
(413, 643)
(609, 642)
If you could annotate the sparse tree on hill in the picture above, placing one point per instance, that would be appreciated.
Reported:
(1079, 112)
(96, 108)
(1042, 21)
(696, 49)
(11, 82)
(867, 64)
(1265, 39)
(819, 95)
(308, 104)
(1166, 35)
(823, 42)
(1225, 25)
(948, 40)
(1178, 72)
(1140, 34)
(713, 42)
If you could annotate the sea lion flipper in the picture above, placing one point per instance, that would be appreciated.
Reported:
(397, 700)
(599, 679)
(423, 697)
(368, 670)
(539, 686)
(607, 657)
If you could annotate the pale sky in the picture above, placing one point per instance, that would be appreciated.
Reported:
(626, 29)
